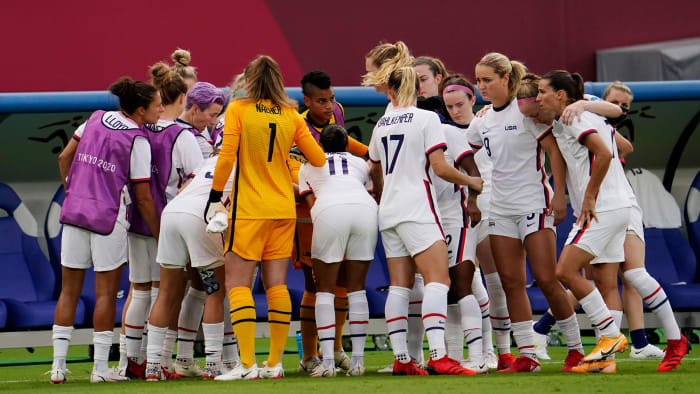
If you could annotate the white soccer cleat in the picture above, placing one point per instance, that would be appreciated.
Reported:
(57, 376)
(356, 370)
(239, 373)
(342, 360)
(648, 351)
(188, 370)
(541, 346)
(212, 370)
(479, 367)
(310, 364)
(109, 376)
(154, 372)
(323, 372)
(491, 359)
(388, 369)
(276, 372)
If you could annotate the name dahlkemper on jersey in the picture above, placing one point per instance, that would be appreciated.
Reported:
(403, 118)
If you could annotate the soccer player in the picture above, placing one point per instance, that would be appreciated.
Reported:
(521, 218)
(380, 61)
(403, 141)
(110, 149)
(175, 157)
(322, 110)
(431, 72)
(459, 100)
(632, 271)
(527, 94)
(204, 103)
(602, 201)
(184, 239)
(260, 128)
(345, 224)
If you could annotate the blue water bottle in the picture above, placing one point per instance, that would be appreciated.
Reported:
(300, 347)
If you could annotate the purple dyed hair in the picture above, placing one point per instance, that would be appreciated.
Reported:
(204, 94)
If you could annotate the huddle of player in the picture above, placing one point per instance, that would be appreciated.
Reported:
(448, 192)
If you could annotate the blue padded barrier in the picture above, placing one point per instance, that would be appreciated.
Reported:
(348, 95)
(27, 285)
(692, 217)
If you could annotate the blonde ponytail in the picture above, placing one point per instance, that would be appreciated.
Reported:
(387, 58)
(404, 82)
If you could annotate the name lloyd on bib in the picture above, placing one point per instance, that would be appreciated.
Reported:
(95, 161)
(114, 123)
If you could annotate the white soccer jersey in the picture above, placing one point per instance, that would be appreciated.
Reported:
(342, 180)
(483, 162)
(452, 198)
(185, 159)
(401, 141)
(193, 198)
(615, 191)
(518, 181)
(203, 139)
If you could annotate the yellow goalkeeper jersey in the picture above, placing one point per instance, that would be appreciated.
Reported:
(257, 139)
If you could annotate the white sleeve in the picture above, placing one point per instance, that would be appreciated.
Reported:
(434, 136)
(581, 128)
(374, 153)
(473, 134)
(78, 134)
(457, 145)
(186, 151)
(538, 130)
(304, 187)
(140, 170)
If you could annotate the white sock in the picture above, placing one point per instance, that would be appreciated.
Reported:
(102, 341)
(156, 336)
(454, 336)
(188, 323)
(154, 297)
(471, 324)
(500, 318)
(166, 352)
(572, 334)
(144, 336)
(617, 317)
(482, 297)
(213, 341)
(598, 313)
(416, 331)
(395, 313)
(61, 336)
(325, 324)
(122, 351)
(134, 322)
(434, 316)
(358, 320)
(525, 338)
(655, 298)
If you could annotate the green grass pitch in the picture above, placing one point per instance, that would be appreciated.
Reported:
(633, 376)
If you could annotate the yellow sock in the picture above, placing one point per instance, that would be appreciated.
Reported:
(243, 320)
(307, 317)
(279, 313)
(341, 313)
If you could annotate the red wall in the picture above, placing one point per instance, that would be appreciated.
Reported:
(71, 45)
